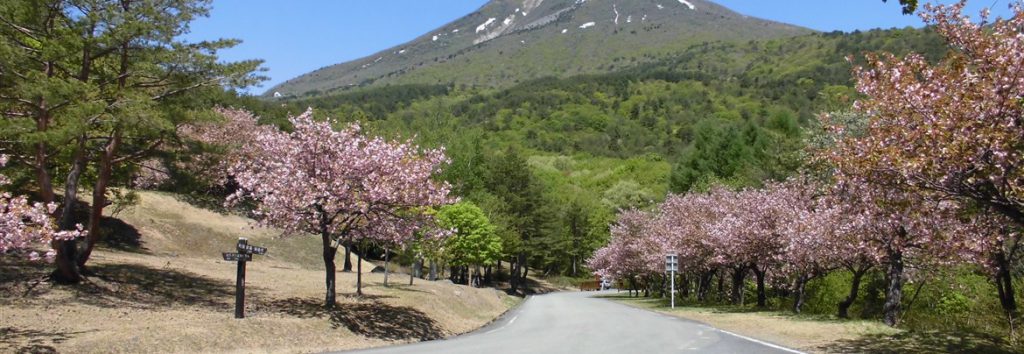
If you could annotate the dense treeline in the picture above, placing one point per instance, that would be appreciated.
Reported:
(727, 113)
(914, 187)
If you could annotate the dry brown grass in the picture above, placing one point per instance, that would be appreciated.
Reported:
(824, 334)
(171, 293)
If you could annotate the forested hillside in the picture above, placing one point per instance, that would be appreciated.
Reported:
(594, 144)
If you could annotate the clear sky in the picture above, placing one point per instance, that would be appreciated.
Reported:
(298, 36)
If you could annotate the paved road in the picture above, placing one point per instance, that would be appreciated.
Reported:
(580, 323)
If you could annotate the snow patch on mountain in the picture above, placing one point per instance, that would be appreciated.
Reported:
(660, 7)
(688, 4)
(483, 27)
(588, 25)
(616, 10)
(434, 39)
(565, 30)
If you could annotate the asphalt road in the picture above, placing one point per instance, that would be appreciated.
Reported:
(578, 322)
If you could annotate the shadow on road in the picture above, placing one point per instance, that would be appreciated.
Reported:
(371, 319)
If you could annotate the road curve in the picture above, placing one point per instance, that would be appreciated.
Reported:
(578, 322)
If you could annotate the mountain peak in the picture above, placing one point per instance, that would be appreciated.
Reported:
(506, 41)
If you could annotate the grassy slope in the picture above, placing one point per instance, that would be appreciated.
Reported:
(173, 294)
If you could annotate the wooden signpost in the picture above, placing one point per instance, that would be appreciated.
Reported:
(244, 254)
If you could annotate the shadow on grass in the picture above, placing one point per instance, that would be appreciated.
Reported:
(924, 342)
(146, 287)
(15, 340)
(403, 287)
(20, 277)
(117, 285)
(371, 319)
(121, 236)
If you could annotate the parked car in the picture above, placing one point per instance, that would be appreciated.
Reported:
(606, 283)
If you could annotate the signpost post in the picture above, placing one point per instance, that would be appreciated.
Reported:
(244, 254)
(671, 266)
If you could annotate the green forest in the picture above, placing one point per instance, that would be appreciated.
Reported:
(587, 146)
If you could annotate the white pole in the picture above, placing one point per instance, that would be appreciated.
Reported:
(673, 288)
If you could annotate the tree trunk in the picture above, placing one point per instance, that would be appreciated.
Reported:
(329, 252)
(417, 268)
(386, 258)
(844, 306)
(1004, 285)
(359, 272)
(684, 286)
(526, 269)
(704, 285)
(798, 294)
(347, 267)
(66, 260)
(433, 270)
(894, 288)
(738, 276)
(762, 296)
(99, 196)
(42, 159)
(721, 284)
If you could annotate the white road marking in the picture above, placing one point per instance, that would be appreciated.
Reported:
(762, 342)
(513, 320)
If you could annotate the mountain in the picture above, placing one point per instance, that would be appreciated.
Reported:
(509, 41)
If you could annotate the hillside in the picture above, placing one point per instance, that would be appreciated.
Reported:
(511, 41)
(160, 285)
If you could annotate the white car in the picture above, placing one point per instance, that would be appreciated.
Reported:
(606, 284)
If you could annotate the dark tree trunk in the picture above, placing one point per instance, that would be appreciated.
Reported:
(66, 262)
(738, 276)
(798, 293)
(721, 284)
(99, 196)
(42, 154)
(359, 272)
(526, 270)
(1004, 285)
(417, 270)
(329, 253)
(844, 306)
(387, 258)
(894, 288)
(684, 288)
(488, 275)
(513, 275)
(347, 267)
(704, 285)
(762, 296)
(433, 271)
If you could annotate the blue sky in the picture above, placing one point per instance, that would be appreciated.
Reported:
(297, 36)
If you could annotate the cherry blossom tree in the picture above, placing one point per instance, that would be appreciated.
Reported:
(339, 185)
(952, 128)
(808, 228)
(27, 227)
(682, 226)
(631, 253)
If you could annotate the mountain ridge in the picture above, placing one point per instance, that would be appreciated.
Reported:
(506, 41)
